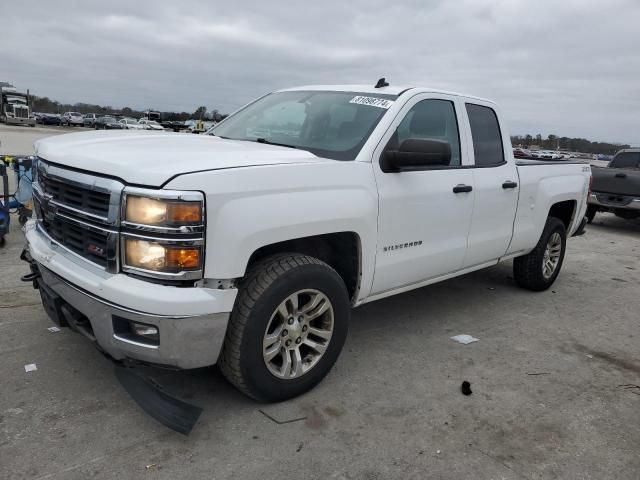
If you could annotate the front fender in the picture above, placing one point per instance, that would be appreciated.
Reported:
(252, 207)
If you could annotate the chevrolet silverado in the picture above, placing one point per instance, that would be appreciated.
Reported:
(248, 246)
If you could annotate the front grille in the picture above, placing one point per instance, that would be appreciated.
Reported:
(80, 212)
(21, 112)
(87, 243)
(79, 198)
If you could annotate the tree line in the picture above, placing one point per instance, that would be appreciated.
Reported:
(46, 105)
(554, 142)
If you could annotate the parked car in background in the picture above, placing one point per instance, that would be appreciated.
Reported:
(616, 187)
(72, 119)
(89, 120)
(521, 153)
(108, 123)
(50, 119)
(150, 124)
(545, 155)
(131, 124)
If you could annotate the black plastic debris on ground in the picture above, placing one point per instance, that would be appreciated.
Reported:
(465, 388)
(168, 410)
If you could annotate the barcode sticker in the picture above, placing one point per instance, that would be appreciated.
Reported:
(372, 102)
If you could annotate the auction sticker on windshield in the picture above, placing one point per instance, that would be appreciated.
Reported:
(372, 101)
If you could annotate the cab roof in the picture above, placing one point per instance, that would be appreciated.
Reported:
(390, 90)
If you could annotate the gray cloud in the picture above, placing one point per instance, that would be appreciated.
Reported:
(570, 68)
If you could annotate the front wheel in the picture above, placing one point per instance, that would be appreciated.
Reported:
(287, 327)
(539, 269)
(591, 213)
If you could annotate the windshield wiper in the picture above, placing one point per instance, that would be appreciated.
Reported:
(269, 142)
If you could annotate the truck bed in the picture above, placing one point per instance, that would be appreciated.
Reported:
(521, 162)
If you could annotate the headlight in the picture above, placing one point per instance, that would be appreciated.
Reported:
(163, 233)
(153, 211)
(158, 257)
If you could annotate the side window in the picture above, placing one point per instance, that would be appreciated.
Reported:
(626, 160)
(485, 130)
(433, 120)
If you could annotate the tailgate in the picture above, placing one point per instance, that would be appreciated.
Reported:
(616, 180)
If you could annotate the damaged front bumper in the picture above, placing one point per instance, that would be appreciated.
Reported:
(182, 341)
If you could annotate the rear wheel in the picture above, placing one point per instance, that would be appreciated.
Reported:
(539, 269)
(287, 327)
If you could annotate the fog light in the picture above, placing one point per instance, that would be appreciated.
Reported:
(142, 330)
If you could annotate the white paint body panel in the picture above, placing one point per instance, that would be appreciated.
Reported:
(257, 195)
(151, 158)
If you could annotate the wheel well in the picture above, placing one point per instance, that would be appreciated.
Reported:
(339, 250)
(563, 211)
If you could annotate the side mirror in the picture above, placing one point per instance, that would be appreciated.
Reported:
(415, 154)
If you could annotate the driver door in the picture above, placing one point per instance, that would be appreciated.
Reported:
(423, 220)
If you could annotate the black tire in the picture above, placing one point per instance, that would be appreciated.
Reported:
(528, 269)
(591, 213)
(268, 283)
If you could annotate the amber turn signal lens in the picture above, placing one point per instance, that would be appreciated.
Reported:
(184, 212)
(183, 258)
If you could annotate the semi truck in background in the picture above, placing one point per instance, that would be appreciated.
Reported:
(15, 108)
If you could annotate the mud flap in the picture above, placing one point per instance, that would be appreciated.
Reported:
(168, 410)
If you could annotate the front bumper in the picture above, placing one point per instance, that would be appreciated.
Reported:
(185, 342)
(191, 322)
(20, 121)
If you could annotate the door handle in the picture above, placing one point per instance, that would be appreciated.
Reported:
(461, 188)
(621, 175)
(509, 184)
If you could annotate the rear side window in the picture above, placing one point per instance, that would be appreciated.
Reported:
(626, 160)
(485, 130)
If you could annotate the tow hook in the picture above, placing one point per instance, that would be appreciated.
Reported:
(34, 275)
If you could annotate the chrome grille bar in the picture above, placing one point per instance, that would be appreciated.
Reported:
(79, 212)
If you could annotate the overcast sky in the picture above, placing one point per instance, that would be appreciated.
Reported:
(569, 67)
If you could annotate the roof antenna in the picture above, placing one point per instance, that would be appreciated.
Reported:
(382, 83)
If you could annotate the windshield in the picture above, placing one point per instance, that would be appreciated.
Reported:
(329, 124)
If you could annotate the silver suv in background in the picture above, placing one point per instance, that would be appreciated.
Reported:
(89, 120)
(72, 118)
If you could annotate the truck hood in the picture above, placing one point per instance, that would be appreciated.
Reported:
(152, 158)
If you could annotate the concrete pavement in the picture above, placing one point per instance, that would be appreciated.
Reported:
(546, 377)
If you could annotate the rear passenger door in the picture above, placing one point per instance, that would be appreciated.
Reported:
(495, 183)
(424, 214)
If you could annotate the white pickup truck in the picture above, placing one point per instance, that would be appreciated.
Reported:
(247, 247)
